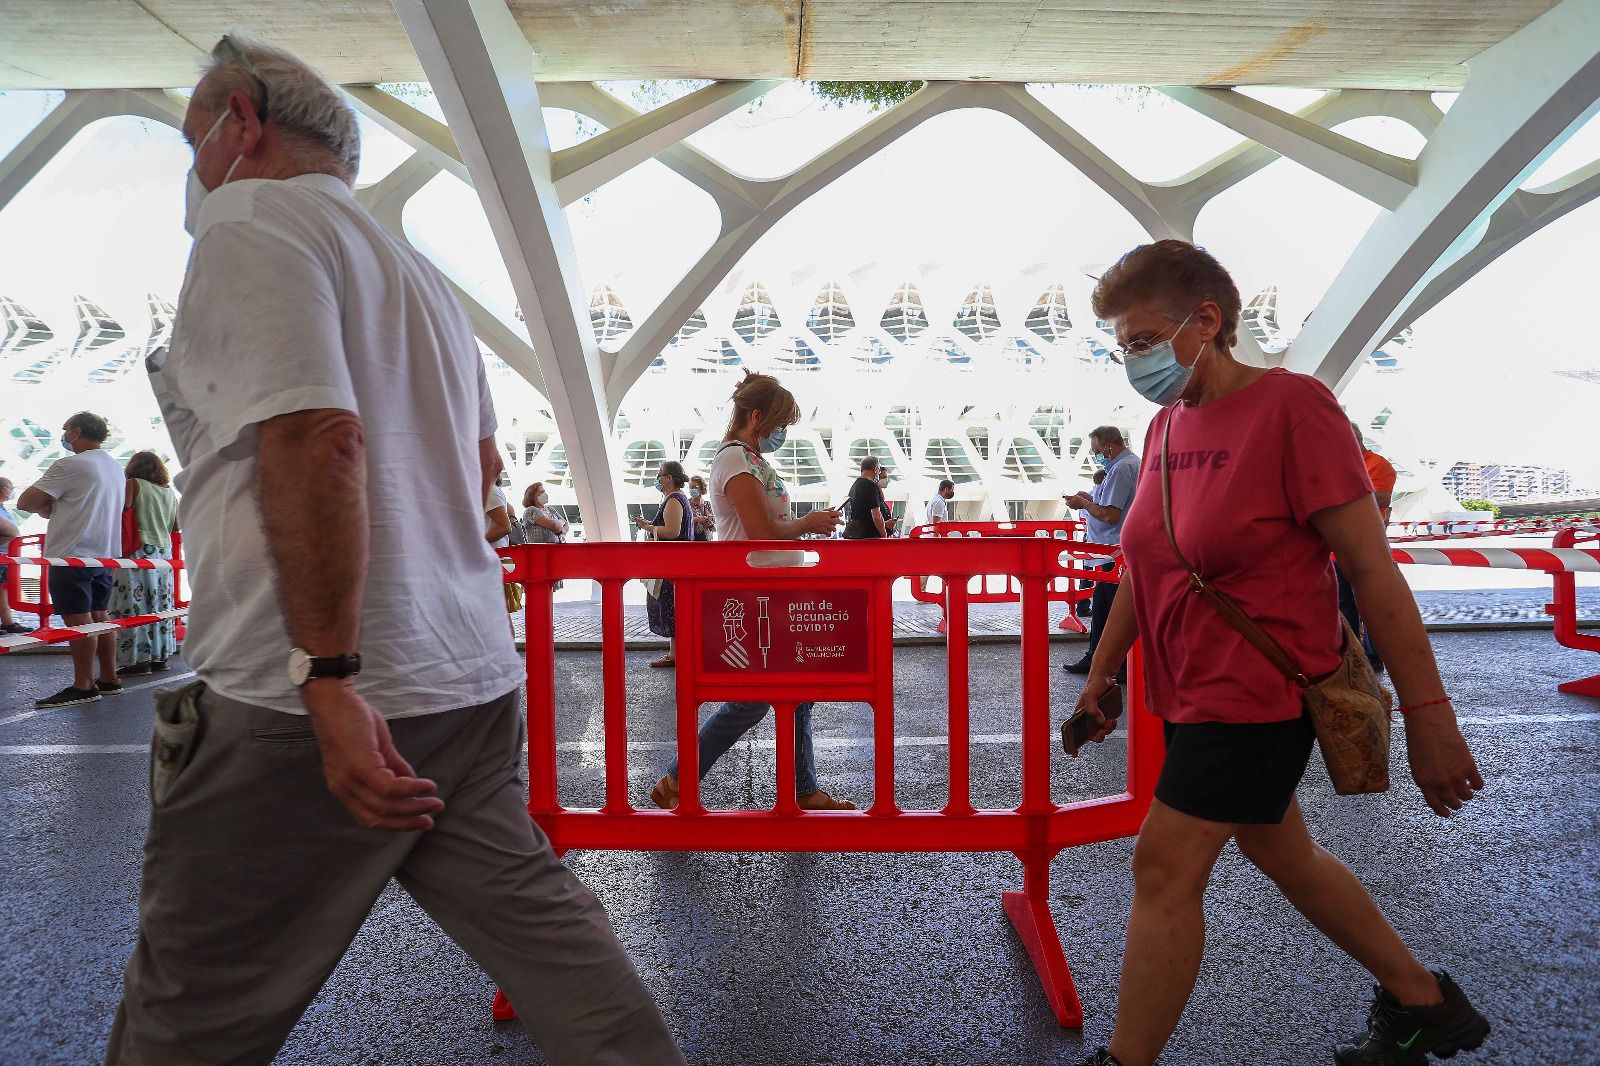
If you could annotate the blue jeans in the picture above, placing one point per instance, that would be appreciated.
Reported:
(733, 720)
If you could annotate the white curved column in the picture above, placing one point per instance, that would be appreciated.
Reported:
(1524, 214)
(1523, 97)
(480, 67)
(81, 107)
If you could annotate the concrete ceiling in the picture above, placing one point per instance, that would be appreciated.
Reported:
(1329, 43)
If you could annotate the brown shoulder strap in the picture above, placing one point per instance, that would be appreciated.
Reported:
(1225, 604)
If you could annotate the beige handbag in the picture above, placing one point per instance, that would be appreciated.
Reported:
(1349, 708)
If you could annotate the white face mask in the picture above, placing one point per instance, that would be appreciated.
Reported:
(195, 193)
(541, 499)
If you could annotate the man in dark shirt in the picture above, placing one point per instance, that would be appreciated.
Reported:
(866, 504)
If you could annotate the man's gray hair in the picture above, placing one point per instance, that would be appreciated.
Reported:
(1108, 435)
(869, 462)
(90, 425)
(310, 113)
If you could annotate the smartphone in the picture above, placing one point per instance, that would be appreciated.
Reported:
(1075, 731)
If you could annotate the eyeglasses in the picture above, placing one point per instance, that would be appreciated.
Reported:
(1142, 345)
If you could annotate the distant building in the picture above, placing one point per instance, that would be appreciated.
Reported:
(1508, 481)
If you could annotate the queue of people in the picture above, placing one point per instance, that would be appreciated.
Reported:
(98, 509)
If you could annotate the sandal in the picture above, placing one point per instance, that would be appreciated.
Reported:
(15, 627)
(663, 662)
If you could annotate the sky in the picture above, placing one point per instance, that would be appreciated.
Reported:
(969, 196)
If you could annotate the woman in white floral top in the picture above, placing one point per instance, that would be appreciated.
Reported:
(751, 503)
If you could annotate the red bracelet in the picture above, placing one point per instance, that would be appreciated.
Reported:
(1419, 706)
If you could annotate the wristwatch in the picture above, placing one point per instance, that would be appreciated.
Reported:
(304, 667)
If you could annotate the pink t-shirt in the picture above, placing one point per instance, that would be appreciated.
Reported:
(1248, 472)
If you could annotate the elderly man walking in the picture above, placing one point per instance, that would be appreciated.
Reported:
(355, 717)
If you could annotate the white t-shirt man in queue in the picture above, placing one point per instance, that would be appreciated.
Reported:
(939, 506)
(355, 717)
(82, 494)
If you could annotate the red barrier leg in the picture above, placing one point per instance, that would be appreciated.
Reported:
(1587, 686)
(1564, 610)
(1029, 911)
(503, 1010)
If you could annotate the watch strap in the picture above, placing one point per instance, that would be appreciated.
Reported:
(334, 665)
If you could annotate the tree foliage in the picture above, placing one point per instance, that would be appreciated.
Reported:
(877, 95)
(1481, 505)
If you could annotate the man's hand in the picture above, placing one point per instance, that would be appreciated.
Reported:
(363, 769)
(1077, 501)
(1440, 762)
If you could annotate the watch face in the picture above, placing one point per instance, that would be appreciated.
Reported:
(299, 667)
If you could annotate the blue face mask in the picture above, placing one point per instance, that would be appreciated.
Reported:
(66, 445)
(1101, 461)
(774, 440)
(1157, 375)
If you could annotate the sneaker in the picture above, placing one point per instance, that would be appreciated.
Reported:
(109, 688)
(1103, 1057)
(158, 665)
(1405, 1036)
(821, 801)
(68, 697)
(136, 668)
(665, 794)
(1080, 667)
(15, 627)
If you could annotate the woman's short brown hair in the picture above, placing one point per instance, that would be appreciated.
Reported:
(531, 493)
(761, 392)
(1175, 276)
(147, 466)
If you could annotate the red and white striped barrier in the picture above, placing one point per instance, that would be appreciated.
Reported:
(1547, 560)
(87, 563)
(1408, 532)
(50, 635)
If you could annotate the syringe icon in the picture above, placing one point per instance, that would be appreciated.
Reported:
(763, 629)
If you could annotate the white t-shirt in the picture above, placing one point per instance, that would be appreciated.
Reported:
(731, 460)
(938, 509)
(88, 490)
(497, 501)
(296, 299)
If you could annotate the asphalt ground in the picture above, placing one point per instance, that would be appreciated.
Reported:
(823, 958)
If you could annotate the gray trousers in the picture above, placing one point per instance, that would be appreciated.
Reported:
(256, 880)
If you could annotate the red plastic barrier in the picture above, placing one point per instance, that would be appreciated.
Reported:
(1412, 532)
(1564, 609)
(825, 632)
(981, 588)
(33, 545)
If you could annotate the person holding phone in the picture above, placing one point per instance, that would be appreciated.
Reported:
(1265, 484)
(1103, 513)
(752, 503)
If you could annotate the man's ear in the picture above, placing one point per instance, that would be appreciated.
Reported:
(244, 109)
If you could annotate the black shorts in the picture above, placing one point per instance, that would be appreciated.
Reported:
(1234, 772)
(79, 590)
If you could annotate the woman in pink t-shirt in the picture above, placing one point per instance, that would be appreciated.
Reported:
(1265, 481)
